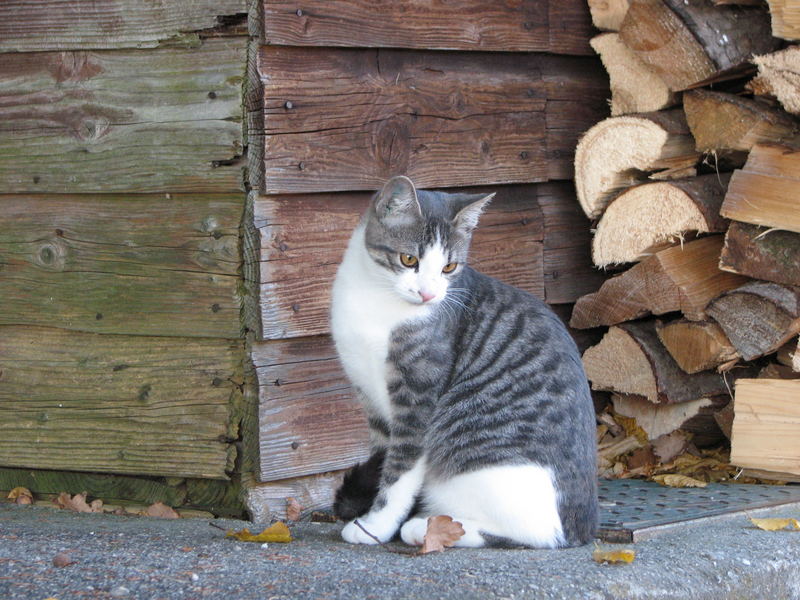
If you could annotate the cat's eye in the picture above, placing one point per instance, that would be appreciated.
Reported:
(409, 261)
(449, 267)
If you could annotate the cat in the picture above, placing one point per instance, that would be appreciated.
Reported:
(474, 391)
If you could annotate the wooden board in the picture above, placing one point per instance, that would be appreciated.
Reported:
(119, 404)
(342, 120)
(166, 120)
(309, 422)
(134, 264)
(27, 25)
(765, 425)
(557, 26)
(302, 240)
(267, 501)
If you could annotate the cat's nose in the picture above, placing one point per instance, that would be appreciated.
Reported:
(426, 296)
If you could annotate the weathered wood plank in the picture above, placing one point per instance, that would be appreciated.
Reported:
(120, 404)
(557, 26)
(134, 264)
(308, 419)
(267, 501)
(166, 120)
(444, 119)
(36, 25)
(302, 240)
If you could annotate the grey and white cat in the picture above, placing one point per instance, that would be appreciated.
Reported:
(474, 389)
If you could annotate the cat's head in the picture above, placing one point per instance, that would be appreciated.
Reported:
(420, 239)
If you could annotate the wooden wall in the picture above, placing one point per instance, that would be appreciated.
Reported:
(346, 93)
(123, 188)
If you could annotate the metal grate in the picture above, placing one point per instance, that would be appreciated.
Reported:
(631, 510)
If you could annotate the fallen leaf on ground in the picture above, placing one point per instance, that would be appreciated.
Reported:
(681, 481)
(293, 509)
(21, 495)
(442, 533)
(62, 559)
(78, 503)
(776, 524)
(613, 555)
(161, 510)
(277, 532)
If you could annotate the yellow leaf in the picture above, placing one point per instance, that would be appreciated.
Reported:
(776, 524)
(277, 532)
(21, 495)
(679, 481)
(613, 555)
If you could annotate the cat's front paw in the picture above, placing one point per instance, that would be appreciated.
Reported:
(354, 534)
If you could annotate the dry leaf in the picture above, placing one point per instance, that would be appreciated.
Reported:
(776, 524)
(62, 559)
(21, 495)
(78, 503)
(293, 509)
(277, 532)
(680, 481)
(613, 555)
(161, 511)
(442, 533)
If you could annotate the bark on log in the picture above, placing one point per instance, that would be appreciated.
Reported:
(630, 359)
(690, 43)
(724, 122)
(696, 345)
(607, 15)
(780, 72)
(635, 88)
(620, 151)
(681, 278)
(765, 426)
(767, 254)
(758, 317)
(648, 217)
(785, 16)
(764, 192)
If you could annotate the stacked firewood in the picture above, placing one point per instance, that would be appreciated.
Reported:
(694, 187)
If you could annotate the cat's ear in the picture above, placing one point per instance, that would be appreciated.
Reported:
(467, 218)
(397, 203)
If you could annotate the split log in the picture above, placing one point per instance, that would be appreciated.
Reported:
(778, 371)
(635, 88)
(165, 120)
(690, 43)
(764, 192)
(607, 15)
(767, 254)
(681, 278)
(445, 119)
(724, 419)
(765, 426)
(650, 216)
(35, 26)
(695, 417)
(630, 359)
(117, 403)
(779, 72)
(789, 354)
(619, 152)
(725, 122)
(696, 345)
(785, 19)
(758, 317)
(554, 26)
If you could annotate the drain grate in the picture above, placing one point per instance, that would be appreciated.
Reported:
(631, 510)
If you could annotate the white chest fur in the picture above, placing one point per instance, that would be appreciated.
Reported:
(364, 312)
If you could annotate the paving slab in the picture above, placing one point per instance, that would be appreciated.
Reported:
(146, 558)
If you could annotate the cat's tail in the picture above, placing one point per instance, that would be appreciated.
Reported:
(359, 488)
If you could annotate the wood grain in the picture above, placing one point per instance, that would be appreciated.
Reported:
(120, 404)
(343, 120)
(302, 240)
(557, 26)
(36, 25)
(309, 421)
(166, 120)
(134, 264)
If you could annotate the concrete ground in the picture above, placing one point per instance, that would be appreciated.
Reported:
(145, 558)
